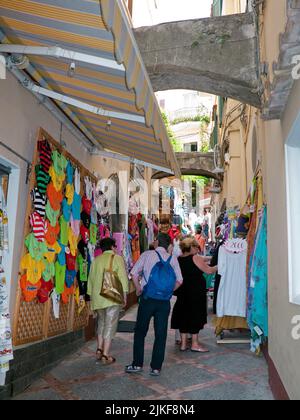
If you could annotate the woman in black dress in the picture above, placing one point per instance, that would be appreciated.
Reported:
(190, 310)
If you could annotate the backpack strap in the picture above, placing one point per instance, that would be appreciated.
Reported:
(160, 258)
(162, 261)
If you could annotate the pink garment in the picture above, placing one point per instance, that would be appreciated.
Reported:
(98, 252)
(75, 226)
(119, 237)
(104, 232)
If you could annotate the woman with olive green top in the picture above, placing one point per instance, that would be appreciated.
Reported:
(108, 312)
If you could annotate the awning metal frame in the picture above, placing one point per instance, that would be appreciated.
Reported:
(81, 105)
(59, 52)
(133, 160)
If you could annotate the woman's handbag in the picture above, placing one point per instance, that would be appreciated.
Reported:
(112, 288)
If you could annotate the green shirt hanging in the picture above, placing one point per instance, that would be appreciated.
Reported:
(51, 214)
(93, 234)
(36, 249)
(64, 231)
(83, 268)
(49, 271)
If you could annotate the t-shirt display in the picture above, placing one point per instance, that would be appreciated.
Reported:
(52, 215)
(63, 207)
(6, 349)
(39, 201)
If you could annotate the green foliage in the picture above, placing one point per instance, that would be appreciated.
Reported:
(201, 118)
(174, 141)
(202, 181)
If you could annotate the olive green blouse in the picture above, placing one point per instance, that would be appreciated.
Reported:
(99, 265)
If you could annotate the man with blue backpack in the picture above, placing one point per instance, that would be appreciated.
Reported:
(161, 275)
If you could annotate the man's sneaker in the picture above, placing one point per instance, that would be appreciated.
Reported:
(155, 372)
(133, 369)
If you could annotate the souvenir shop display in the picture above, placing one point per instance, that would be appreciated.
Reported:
(241, 286)
(232, 269)
(6, 349)
(258, 289)
(61, 235)
(230, 289)
(133, 230)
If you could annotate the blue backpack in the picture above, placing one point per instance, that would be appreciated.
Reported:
(162, 281)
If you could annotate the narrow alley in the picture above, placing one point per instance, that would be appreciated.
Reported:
(228, 372)
(149, 150)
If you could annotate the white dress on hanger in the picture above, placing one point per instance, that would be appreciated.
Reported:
(77, 181)
(89, 188)
(232, 293)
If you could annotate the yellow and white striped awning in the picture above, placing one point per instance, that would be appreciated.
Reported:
(98, 28)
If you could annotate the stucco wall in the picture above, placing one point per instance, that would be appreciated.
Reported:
(284, 351)
(20, 118)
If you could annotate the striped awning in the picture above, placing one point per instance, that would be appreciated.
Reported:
(99, 28)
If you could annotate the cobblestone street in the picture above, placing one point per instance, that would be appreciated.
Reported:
(228, 372)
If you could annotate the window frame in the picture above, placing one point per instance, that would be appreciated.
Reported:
(292, 156)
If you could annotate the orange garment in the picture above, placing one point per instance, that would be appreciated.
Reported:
(136, 253)
(201, 241)
(52, 233)
(65, 296)
(29, 290)
(58, 180)
(55, 197)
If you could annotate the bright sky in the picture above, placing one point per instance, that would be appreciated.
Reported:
(152, 12)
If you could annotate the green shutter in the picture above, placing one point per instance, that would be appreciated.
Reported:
(221, 109)
(217, 7)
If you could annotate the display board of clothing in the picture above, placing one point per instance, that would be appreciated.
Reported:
(232, 291)
(133, 230)
(6, 349)
(127, 253)
(150, 231)
(258, 291)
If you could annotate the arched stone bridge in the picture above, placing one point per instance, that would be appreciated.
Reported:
(194, 163)
(217, 55)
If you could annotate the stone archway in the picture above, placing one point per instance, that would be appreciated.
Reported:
(217, 55)
(198, 164)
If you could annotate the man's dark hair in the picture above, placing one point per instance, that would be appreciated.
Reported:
(164, 240)
(107, 244)
(199, 230)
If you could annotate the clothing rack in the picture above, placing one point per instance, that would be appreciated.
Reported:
(240, 320)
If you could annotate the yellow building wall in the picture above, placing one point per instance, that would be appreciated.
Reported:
(269, 151)
(231, 7)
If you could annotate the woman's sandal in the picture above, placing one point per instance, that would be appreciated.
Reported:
(107, 360)
(99, 354)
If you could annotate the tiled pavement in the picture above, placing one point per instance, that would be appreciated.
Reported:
(228, 372)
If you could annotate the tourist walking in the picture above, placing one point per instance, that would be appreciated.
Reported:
(161, 275)
(190, 310)
(107, 310)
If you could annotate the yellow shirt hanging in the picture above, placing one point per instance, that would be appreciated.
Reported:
(70, 194)
(58, 180)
